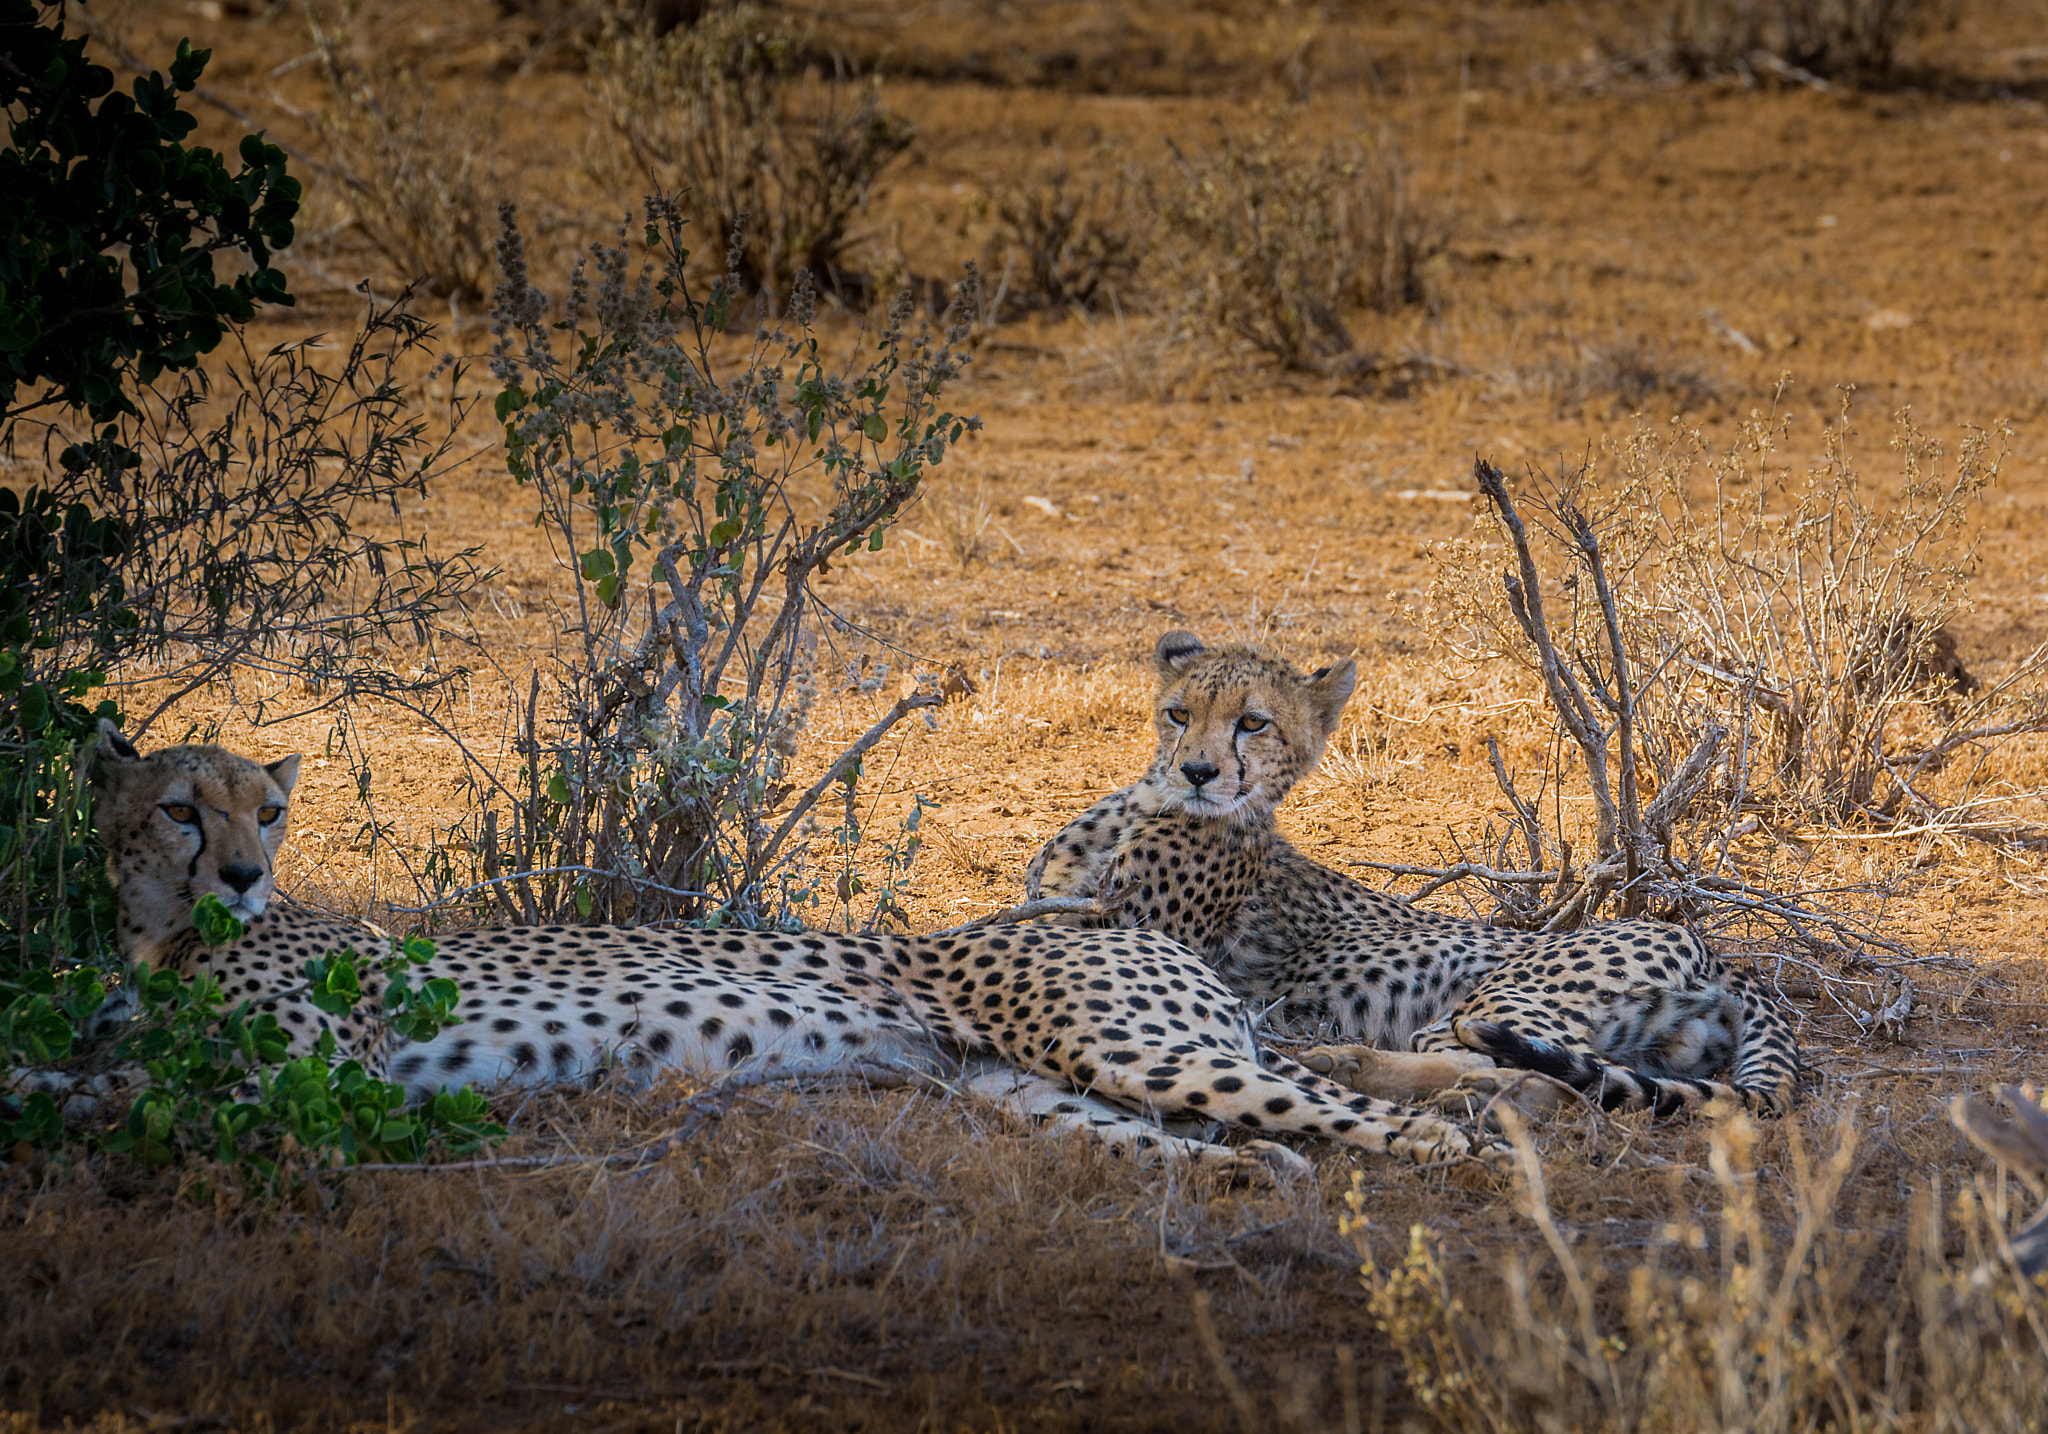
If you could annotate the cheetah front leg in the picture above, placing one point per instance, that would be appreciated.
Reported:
(1051, 1104)
(1078, 857)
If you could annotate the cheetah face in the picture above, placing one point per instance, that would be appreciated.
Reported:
(1238, 727)
(188, 822)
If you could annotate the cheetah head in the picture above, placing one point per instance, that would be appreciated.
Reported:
(1238, 727)
(183, 823)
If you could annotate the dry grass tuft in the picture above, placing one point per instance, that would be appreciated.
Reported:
(1777, 1303)
(416, 181)
(761, 147)
(1268, 240)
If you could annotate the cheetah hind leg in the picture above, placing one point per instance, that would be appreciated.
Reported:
(1270, 1092)
(1049, 1104)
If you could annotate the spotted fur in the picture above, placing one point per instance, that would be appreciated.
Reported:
(1104, 1031)
(1633, 1013)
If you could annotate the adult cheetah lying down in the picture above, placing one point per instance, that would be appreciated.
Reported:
(1094, 1030)
(1633, 1013)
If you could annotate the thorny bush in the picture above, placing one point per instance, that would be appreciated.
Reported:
(1731, 648)
(216, 535)
(656, 780)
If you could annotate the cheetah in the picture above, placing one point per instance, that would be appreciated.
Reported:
(1105, 1032)
(1630, 1013)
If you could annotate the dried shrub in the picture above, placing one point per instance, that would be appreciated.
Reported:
(1628, 373)
(1269, 241)
(1076, 245)
(416, 180)
(1800, 39)
(958, 519)
(1726, 647)
(723, 113)
(674, 476)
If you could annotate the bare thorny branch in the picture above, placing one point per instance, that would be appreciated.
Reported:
(1817, 629)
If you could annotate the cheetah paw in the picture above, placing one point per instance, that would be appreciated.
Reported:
(1269, 1160)
(1532, 1094)
(1340, 1063)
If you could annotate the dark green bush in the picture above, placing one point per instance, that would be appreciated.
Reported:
(89, 171)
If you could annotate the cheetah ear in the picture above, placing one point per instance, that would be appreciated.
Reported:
(1330, 688)
(1173, 654)
(113, 747)
(284, 771)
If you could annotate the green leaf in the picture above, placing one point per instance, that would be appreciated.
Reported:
(876, 428)
(40, 1123)
(595, 564)
(217, 925)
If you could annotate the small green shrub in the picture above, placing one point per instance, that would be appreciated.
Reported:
(676, 474)
(218, 1082)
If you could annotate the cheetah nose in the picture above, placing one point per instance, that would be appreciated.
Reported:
(241, 878)
(1198, 773)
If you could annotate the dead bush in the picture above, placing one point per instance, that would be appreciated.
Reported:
(1729, 647)
(1797, 39)
(1066, 244)
(1269, 241)
(415, 180)
(723, 113)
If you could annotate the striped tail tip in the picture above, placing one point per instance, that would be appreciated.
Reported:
(1611, 1087)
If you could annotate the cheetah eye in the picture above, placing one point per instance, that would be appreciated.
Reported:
(181, 812)
(267, 815)
(1252, 724)
(1178, 716)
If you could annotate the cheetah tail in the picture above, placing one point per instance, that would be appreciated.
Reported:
(1611, 1087)
(1767, 1057)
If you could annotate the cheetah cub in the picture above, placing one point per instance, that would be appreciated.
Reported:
(1629, 1013)
(1104, 1032)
